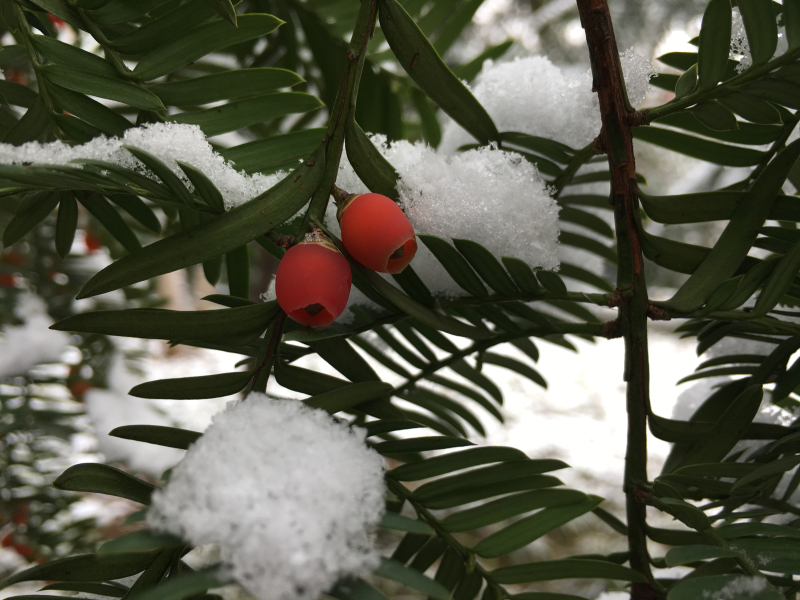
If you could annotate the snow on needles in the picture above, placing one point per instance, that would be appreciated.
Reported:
(490, 196)
(170, 142)
(532, 95)
(286, 491)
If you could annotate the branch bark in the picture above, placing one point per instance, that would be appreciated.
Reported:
(616, 141)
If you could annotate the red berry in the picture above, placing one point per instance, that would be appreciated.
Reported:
(313, 283)
(58, 23)
(377, 233)
(92, 242)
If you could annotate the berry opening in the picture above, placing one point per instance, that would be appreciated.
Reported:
(314, 309)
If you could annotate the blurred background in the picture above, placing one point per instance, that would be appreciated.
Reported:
(61, 394)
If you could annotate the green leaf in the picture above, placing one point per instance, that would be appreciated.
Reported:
(455, 461)
(686, 82)
(230, 230)
(774, 90)
(509, 506)
(39, 206)
(397, 522)
(551, 282)
(200, 41)
(787, 382)
(391, 569)
(139, 541)
(552, 149)
(573, 568)
(778, 282)
(522, 274)
(512, 364)
(249, 111)
(420, 444)
(204, 187)
(189, 585)
(164, 173)
(194, 388)
(686, 513)
(729, 428)
(685, 555)
(355, 589)
(751, 108)
(237, 266)
(475, 493)
(171, 437)
(73, 57)
(32, 124)
(224, 9)
(419, 59)
(715, 116)
(526, 530)
(733, 245)
(761, 29)
(791, 19)
(280, 151)
(103, 479)
(226, 85)
(19, 95)
(420, 312)
(715, 43)
(85, 567)
(234, 325)
(102, 210)
(138, 210)
(102, 87)
(349, 396)
(486, 476)
(713, 152)
(701, 587)
(487, 266)
(371, 167)
(455, 264)
(173, 24)
(772, 468)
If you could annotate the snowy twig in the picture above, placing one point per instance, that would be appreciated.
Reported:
(617, 141)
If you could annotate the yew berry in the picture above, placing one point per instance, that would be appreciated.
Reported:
(377, 233)
(313, 282)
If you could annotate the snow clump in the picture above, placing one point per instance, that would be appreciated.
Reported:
(287, 492)
(740, 47)
(532, 95)
(169, 142)
(490, 196)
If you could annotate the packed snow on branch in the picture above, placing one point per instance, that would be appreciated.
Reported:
(532, 95)
(288, 493)
(740, 46)
(170, 142)
(738, 589)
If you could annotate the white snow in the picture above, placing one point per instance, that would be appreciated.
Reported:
(738, 589)
(534, 96)
(170, 142)
(286, 491)
(32, 343)
(740, 47)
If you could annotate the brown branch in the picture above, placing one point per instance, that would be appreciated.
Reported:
(616, 141)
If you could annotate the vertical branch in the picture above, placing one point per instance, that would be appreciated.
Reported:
(616, 141)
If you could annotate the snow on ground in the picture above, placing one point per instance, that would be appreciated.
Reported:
(31, 343)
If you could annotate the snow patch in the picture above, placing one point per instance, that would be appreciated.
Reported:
(738, 589)
(22, 347)
(170, 142)
(287, 492)
(532, 95)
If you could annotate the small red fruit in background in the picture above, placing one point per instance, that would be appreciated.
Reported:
(377, 233)
(313, 282)
(57, 23)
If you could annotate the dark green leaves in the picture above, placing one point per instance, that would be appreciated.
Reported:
(170, 437)
(391, 569)
(715, 41)
(233, 325)
(102, 479)
(194, 388)
(575, 568)
(421, 61)
(203, 40)
(699, 587)
(227, 85)
(103, 87)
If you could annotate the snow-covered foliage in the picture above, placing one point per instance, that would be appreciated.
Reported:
(286, 491)
(31, 343)
(169, 142)
(534, 96)
(738, 589)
